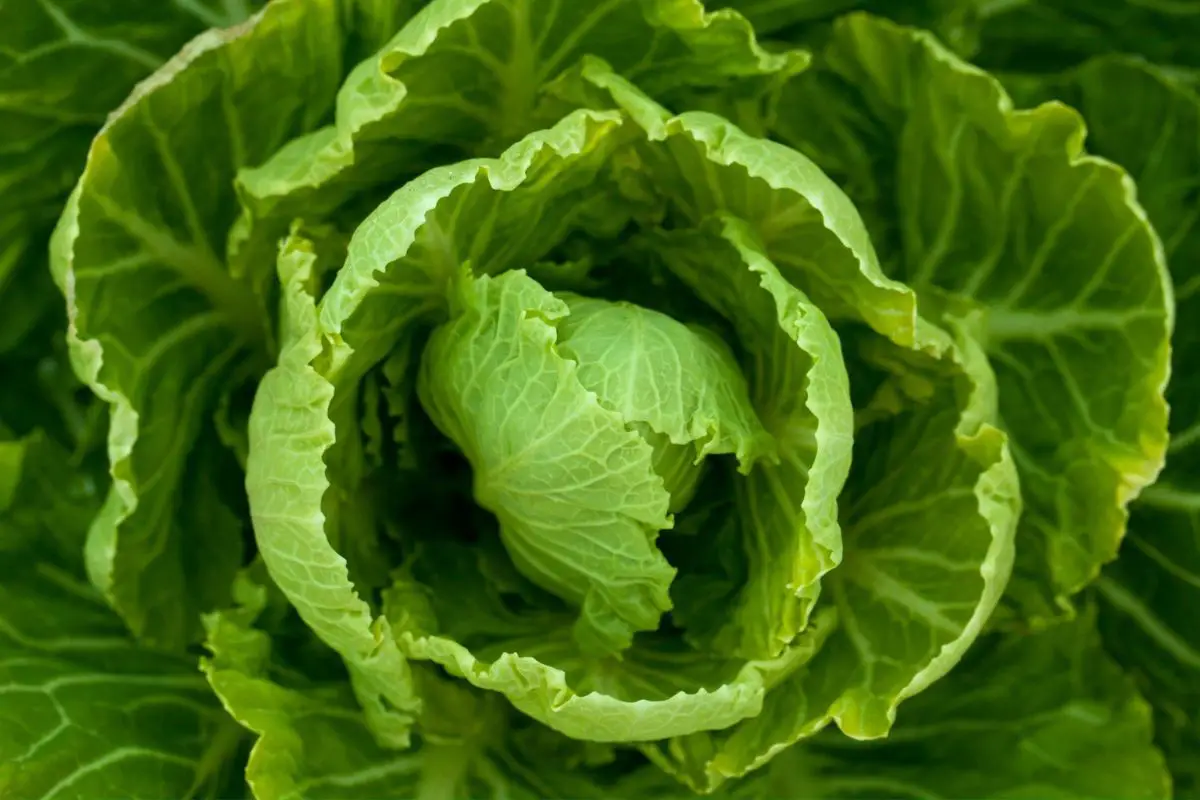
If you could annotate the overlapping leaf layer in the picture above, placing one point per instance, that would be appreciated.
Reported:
(621, 398)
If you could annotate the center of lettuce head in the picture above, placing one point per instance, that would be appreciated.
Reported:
(586, 423)
(677, 385)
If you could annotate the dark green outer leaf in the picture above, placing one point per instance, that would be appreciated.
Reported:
(952, 20)
(64, 65)
(1027, 716)
(1003, 211)
(1143, 118)
(157, 323)
(85, 712)
(1051, 35)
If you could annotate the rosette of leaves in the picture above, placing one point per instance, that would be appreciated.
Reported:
(578, 421)
(166, 250)
(658, 433)
(1128, 70)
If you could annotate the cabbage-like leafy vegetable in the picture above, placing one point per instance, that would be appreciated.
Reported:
(620, 398)
(1146, 117)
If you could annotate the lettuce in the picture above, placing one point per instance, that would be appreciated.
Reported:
(1145, 592)
(523, 398)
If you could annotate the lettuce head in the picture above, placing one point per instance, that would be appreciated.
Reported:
(541, 398)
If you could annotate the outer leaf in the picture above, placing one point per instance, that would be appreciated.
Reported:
(1154, 132)
(26, 291)
(157, 322)
(954, 21)
(39, 391)
(1042, 35)
(1043, 716)
(85, 710)
(770, 16)
(1061, 257)
(467, 78)
(63, 67)
(46, 499)
(314, 742)
(928, 551)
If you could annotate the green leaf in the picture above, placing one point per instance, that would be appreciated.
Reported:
(1002, 210)
(159, 325)
(47, 499)
(286, 480)
(954, 21)
(928, 518)
(86, 711)
(467, 77)
(770, 16)
(1042, 716)
(372, 23)
(680, 385)
(64, 65)
(313, 741)
(575, 491)
(1143, 118)
(26, 292)
(800, 389)
(1050, 35)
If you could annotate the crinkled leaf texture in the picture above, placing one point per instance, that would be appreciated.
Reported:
(313, 740)
(1147, 591)
(606, 451)
(979, 205)
(756, 235)
(159, 327)
(1145, 117)
(64, 67)
(165, 248)
(1048, 715)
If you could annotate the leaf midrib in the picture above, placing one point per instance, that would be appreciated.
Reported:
(199, 269)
